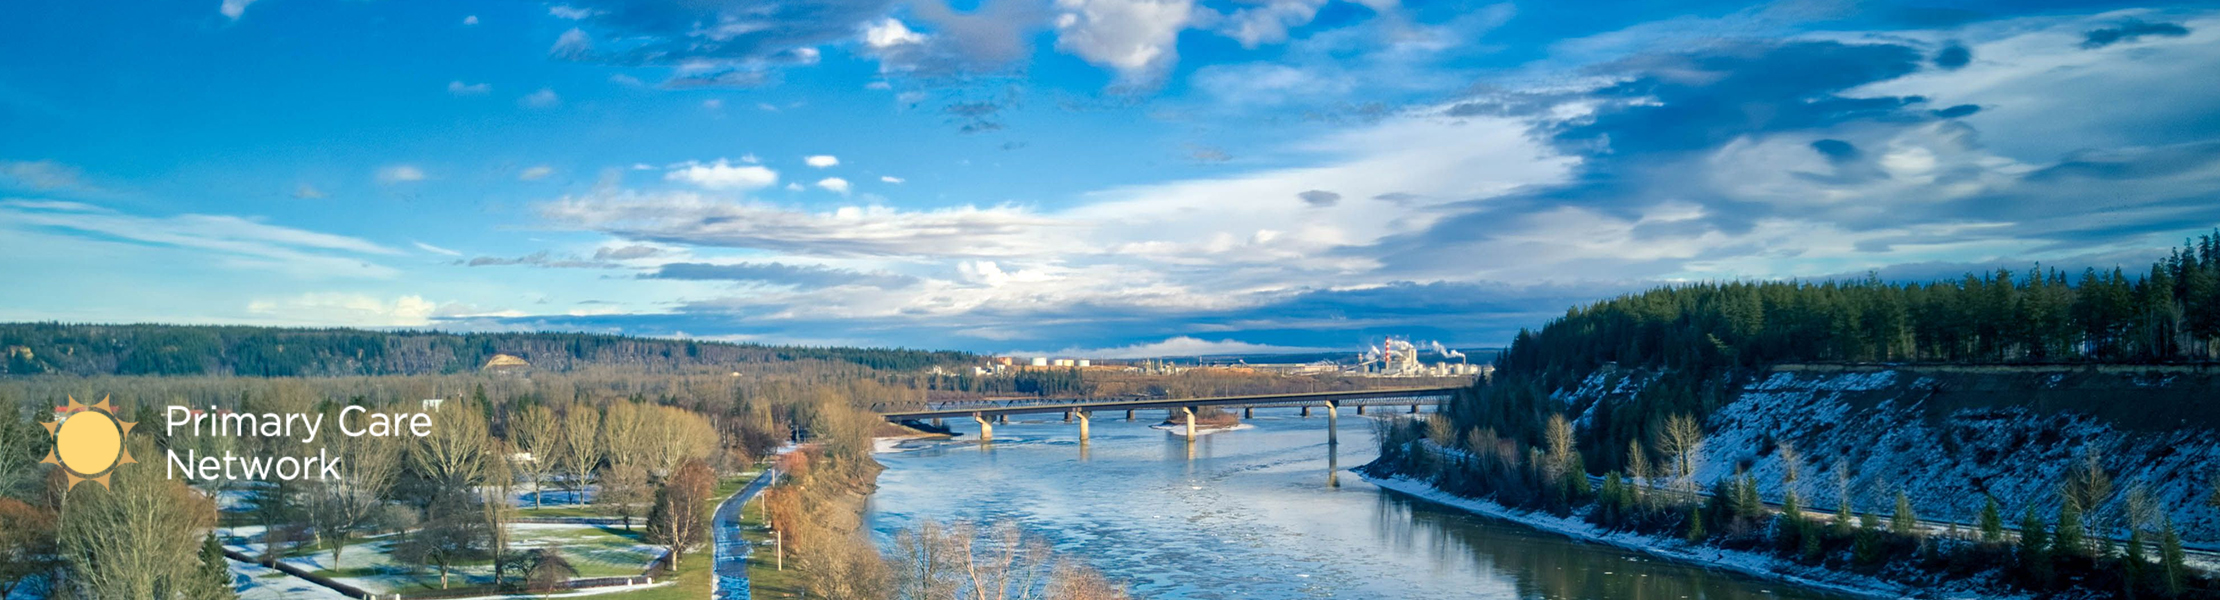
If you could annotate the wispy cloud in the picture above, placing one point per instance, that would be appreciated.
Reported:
(232, 241)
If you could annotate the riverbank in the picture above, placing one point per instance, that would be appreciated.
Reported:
(1747, 563)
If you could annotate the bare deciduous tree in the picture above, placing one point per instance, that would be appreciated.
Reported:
(453, 454)
(1682, 438)
(369, 466)
(535, 431)
(581, 446)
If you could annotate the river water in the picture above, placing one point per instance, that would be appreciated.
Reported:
(1262, 512)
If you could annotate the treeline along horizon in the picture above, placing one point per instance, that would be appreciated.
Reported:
(154, 349)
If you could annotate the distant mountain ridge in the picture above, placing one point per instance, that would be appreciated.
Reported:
(153, 349)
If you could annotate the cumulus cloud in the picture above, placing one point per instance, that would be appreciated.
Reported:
(470, 20)
(346, 310)
(890, 179)
(545, 98)
(833, 184)
(535, 173)
(1136, 38)
(234, 8)
(400, 174)
(821, 161)
(469, 89)
(307, 192)
(723, 175)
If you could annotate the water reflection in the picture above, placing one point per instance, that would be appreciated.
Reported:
(1241, 514)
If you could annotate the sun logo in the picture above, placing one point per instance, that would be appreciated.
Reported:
(88, 442)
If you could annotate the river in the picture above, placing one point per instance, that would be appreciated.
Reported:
(1262, 512)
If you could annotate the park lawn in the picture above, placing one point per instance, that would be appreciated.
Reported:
(563, 511)
(694, 571)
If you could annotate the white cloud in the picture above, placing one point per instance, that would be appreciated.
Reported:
(1137, 38)
(723, 175)
(535, 173)
(470, 20)
(575, 43)
(713, 104)
(345, 309)
(564, 11)
(1170, 347)
(400, 174)
(40, 174)
(232, 242)
(468, 89)
(435, 249)
(234, 8)
(889, 33)
(821, 161)
(890, 179)
(794, 187)
(690, 218)
(307, 192)
(541, 99)
(1268, 23)
(833, 184)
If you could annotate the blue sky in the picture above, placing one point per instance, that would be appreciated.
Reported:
(1105, 177)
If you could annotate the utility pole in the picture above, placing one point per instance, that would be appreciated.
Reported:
(780, 536)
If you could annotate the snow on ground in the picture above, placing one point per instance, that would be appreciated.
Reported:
(257, 582)
(1945, 460)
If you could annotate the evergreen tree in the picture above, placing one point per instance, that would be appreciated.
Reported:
(1992, 522)
(2071, 535)
(2134, 568)
(213, 581)
(2035, 549)
(2173, 568)
(1866, 543)
(1695, 525)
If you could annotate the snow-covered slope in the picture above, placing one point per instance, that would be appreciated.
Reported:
(1946, 435)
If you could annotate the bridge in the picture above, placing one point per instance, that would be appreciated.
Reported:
(1081, 409)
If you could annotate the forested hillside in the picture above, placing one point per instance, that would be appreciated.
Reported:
(39, 348)
(1701, 340)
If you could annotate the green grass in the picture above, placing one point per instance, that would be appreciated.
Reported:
(765, 579)
(694, 571)
(565, 511)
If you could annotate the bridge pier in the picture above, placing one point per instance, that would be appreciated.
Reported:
(1333, 422)
(1189, 411)
(986, 428)
(937, 423)
(1067, 414)
(1084, 420)
(1360, 409)
(1414, 409)
(1306, 410)
(1005, 418)
(1248, 412)
(1128, 414)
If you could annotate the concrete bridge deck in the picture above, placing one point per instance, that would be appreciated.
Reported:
(1082, 409)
